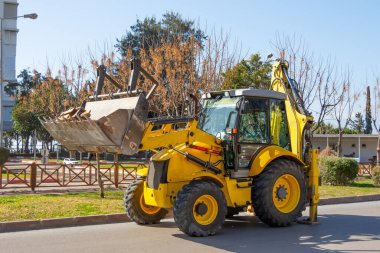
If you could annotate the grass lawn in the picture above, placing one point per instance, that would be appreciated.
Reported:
(4, 175)
(362, 187)
(33, 207)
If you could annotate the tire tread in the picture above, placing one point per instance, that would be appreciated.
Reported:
(132, 209)
(183, 208)
(262, 193)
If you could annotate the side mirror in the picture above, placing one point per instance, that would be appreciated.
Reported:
(231, 130)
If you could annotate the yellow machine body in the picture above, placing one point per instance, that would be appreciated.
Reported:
(184, 153)
(209, 148)
(178, 176)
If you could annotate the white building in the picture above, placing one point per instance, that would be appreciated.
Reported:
(361, 146)
(8, 37)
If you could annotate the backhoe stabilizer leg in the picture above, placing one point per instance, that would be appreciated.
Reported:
(313, 214)
(313, 182)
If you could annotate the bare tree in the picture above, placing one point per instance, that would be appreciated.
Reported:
(342, 113)
(216, 58)
(316, 80)
(180, 67)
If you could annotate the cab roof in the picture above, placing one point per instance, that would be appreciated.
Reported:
(250, 92)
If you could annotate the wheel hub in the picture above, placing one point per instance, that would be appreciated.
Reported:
(201, 209)
(286, 193)
(205, 209)
(281, 192)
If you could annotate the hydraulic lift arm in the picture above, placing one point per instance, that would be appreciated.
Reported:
(135, 73)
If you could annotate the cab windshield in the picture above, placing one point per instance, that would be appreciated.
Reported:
(218, 115)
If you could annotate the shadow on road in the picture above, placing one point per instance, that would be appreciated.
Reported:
(249, 234)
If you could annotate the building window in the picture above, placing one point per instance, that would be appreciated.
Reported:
(10, 10)
(353, 145)
(364, 145)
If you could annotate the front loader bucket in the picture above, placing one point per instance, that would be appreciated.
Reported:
(113, 126)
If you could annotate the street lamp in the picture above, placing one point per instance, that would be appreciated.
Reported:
(30, 16)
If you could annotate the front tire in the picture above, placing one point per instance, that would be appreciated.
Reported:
(200, 209)
(136, 208)
(279, 193)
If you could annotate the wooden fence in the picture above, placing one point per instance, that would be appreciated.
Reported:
(365, 169)
(61, 175)
(34, 175)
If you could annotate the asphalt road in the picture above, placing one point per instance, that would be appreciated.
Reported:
(342, 228)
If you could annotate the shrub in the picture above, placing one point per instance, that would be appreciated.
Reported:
(376, 176)
(338, 170)
(328, 152)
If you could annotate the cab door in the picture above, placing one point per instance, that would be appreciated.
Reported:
(261, 122)
(253, 133)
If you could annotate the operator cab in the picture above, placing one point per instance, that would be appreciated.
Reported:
(246, 119)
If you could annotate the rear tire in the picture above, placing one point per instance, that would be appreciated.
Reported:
(279, 193)
(136, 208)
(200, 209)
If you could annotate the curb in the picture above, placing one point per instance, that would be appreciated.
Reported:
(14, 226)
(62, 222)
(351, 199)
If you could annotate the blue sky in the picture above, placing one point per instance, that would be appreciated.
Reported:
(345, 30)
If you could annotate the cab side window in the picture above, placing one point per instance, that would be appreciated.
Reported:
(254, 122)
(279, 129)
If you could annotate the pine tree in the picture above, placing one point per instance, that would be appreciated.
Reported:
(151, 33)
(368, 114)
(357, 124)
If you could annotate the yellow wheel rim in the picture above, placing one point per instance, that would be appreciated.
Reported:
(146, 208)
(286, 193)
(205, 210)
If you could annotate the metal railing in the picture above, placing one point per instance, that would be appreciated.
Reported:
(34, 175)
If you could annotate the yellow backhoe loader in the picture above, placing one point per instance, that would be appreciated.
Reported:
(245, 149)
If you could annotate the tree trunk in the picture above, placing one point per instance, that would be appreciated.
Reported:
(100, 181)
(27, 144)
(18, 143)
(339, 148)
(378, 150)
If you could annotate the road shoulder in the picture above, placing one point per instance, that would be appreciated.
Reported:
(14, 226)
